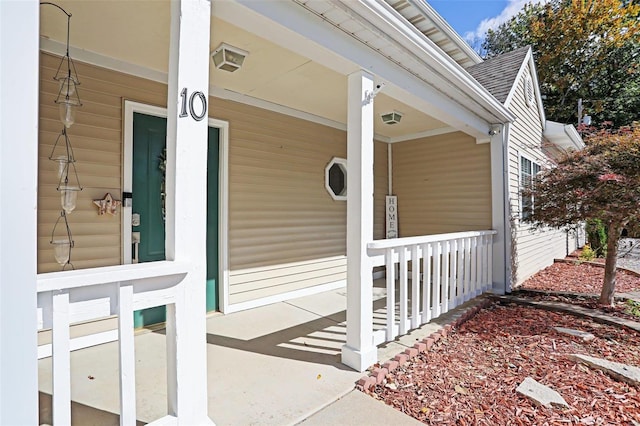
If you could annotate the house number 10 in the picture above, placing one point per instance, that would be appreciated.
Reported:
(203, 101)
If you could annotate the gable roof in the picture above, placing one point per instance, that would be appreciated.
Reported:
(498, 74)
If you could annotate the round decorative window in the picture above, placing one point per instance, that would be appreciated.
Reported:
(335, 178)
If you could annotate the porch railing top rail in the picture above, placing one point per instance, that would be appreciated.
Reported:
(379, 245)
(109, 274)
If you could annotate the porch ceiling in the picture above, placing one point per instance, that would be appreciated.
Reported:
(138, 33)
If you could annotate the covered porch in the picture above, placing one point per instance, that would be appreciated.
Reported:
(327, 70)
(275, 364)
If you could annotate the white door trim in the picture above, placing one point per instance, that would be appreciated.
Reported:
(131, 107)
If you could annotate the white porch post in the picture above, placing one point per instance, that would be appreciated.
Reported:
(500, 209)
(19, 38)
(187, 207)
(359, 352)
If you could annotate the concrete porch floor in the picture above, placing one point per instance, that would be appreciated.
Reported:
(274, 365)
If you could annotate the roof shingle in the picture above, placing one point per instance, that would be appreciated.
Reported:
(498, 74)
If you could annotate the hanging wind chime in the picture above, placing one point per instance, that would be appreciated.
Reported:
(68, 101)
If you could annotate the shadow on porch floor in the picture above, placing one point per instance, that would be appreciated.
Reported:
(273, 365)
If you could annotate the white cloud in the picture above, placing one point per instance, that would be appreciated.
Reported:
(512, 9)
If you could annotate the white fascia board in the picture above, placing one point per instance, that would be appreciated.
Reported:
(531, 63)
(564, 136)
(425, 134)
(58, 48)
(387, 20)
(310, 36)
(445, 28)
(230, 95)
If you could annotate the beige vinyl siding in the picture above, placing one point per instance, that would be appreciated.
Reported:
(443, 184)
(280, 213)
(285, 231)
(96, 138)
(535, 249)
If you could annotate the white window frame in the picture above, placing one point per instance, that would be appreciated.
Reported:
(342, 163)
(532, 173)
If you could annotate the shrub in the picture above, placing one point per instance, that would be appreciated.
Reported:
(597, 237)
(587, 253)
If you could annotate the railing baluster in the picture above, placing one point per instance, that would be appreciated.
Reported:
(126, 355)
(453, 273)
(460, 272)
(490, 262)
(445, 276)
(474, 267)
(467, 269)
(61, 358)
(436, 280)
(391, 293)
(415, 287)
(426, 283)
(484, 264)
(404, 302)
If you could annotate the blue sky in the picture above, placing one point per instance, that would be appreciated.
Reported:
(472, 18)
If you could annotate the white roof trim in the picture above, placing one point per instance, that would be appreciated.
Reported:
(425, 134)
(103, 61)
(408, 38)
(564, 136)
(528, 61)
(445, 28)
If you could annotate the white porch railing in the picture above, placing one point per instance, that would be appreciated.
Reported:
(81, 295)
(446, 271)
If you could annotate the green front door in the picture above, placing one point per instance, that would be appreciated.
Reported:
(212, 219)
(149, 140)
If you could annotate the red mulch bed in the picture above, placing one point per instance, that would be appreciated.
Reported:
(471, 376)
(578, 278)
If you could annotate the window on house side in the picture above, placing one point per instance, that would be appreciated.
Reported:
(528, 171)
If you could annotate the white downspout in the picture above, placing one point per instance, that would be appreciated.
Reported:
(500, 208)
(390, 169)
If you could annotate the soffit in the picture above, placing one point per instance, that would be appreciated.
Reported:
(428, 22)
(138, 33)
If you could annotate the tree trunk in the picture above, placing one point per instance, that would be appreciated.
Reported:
(609, 284)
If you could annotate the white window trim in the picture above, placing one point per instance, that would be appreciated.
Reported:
(342, 162)
(520, 187)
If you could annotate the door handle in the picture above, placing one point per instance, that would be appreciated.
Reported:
(135, 241)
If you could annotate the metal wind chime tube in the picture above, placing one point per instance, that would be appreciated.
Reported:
(68, 101)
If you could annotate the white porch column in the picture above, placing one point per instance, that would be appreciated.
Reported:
(187, 207)
(359, 352)
(500, 209)
(19, 38)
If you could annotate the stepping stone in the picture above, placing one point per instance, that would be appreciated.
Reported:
(587, 337)
(540, 394)
(625, 373)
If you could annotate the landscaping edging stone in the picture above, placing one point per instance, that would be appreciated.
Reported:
(599, 265)
(620, 297)
(578, 311)
(378, 373)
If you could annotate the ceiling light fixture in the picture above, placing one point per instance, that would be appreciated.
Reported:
(393, 117)
(228, 58)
